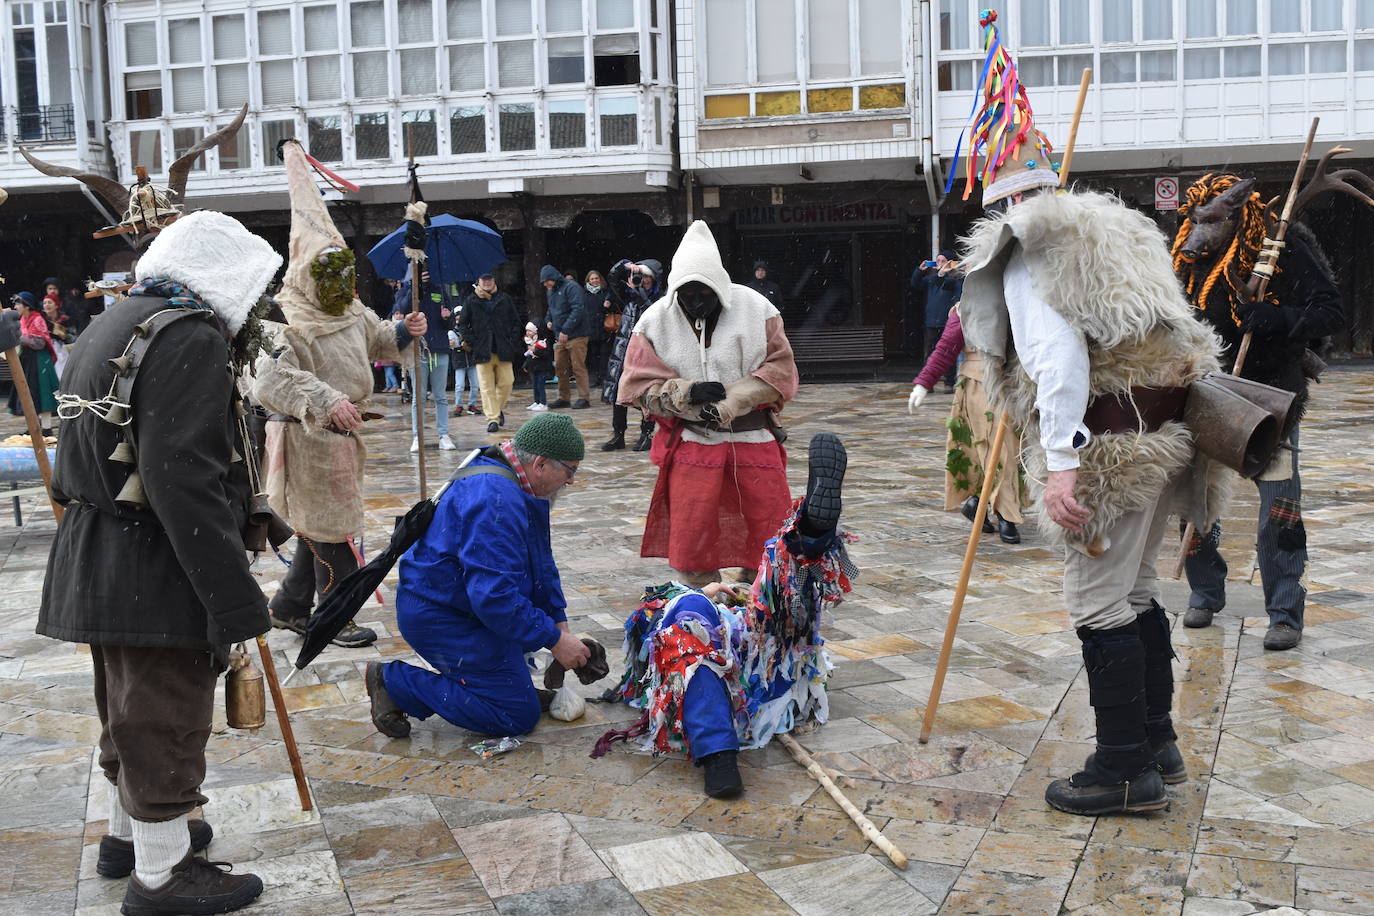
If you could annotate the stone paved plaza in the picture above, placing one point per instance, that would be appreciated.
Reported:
(1278, 810)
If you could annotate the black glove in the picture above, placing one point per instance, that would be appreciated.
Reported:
(1267, 320)
(706, 393)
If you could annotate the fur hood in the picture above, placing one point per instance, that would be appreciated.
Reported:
(217, 259)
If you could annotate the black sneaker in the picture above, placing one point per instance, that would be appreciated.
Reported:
(1281, 636)
(1081, 794)
(389, 718)
(561, 402)
(294, 624)
(353, 636)
(581, 404)
(493, 427)
(196, 887)
(826, 464)
(117, 856)
(722, 779)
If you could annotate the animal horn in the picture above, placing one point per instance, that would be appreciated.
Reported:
(1344, 181)
(111, 191)
(180, 170)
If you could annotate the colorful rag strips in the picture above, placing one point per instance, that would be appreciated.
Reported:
(1005, 120)
(768, 653)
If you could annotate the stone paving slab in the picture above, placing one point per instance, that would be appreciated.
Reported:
(1278, 811)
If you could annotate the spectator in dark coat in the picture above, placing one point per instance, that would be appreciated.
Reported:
(761, 284)
(570, 319)
(491, 328)
(943, 288)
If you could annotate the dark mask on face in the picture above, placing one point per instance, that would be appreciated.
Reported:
(698, 301)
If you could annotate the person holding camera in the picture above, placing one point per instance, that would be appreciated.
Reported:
(943, 286)
(634, 287)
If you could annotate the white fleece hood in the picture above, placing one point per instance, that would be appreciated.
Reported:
(217, 259)
(698, 258)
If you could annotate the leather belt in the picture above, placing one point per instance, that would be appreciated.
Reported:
(1143, 410)
(754, 419)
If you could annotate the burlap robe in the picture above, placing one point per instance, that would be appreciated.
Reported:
(971, 406)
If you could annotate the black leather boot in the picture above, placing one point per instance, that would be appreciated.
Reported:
(1120, 776)
(1159, 694)
(646, 437)
(721, 775)
(615, 443)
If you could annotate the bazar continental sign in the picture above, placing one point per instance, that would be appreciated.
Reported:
(863, 214)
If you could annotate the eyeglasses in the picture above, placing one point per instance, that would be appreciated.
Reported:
(565, 466)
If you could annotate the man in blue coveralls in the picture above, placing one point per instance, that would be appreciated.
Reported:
(480, 589)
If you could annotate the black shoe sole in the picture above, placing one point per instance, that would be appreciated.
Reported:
(826, 464)
(1109, 804)
(198, 906)
(117, 859)
(613, 446)
(359, 643)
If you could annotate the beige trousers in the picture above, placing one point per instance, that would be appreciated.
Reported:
(495, 379)
(570, 359)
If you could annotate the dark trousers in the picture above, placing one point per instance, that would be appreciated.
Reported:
(932, 340)
(538, 380)
(155, 707)
(620, 421)
(317, 567)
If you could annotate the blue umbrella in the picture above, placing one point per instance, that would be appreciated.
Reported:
(458, 249)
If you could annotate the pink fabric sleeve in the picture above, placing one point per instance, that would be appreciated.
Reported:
(945, 353)
(641, 369)
(779, 369)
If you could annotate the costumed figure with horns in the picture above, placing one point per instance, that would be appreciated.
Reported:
(313, 382)
(149, 564)
(1215, 254)
(1094, 366)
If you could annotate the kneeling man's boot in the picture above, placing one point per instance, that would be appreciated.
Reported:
(722, 777)
(1121, 776)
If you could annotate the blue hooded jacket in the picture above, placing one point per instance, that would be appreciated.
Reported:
(567, 312)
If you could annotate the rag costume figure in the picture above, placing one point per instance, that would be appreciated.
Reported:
(479, 590)
(711, 363)
(1214, 255)
(319, 371)
(634, 287)
(155, 577)
(717, 676)
(1094, 366)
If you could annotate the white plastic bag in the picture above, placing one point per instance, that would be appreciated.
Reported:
(567, 705)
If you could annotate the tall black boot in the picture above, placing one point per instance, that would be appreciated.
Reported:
(1159, 694)
(1121, 775)
(646, 436)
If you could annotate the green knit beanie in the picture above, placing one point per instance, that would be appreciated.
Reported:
(551, 435)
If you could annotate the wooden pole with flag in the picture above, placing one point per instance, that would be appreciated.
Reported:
(416, 345)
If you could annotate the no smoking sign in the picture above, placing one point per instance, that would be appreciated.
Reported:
(1166, 193)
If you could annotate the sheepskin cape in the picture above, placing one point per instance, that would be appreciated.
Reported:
(1106, 269)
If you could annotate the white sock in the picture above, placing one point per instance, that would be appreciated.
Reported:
(158, 847)
(120, 827)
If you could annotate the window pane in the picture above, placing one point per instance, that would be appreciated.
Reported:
(1364, 55)
(183, 138)
(1157, 66)
(274, 32)
(1243, 61)
(234, 150)
(371, 136)
(1071, 68)
(514, 65)
(140, 44)
(419, 133)
(188, 90)
(321, 29)
(416, 21)
(517, 127)
(326, 138)
(323, 78)
(828, 23)
(615, 60)
(954, 27)
(183, 41)
(1035, 23)
(1157, 20)
(1116, 20)
(1326, 57)
(468, 130)
(230, 40)
(618, 122)
(1285, 17)
(273, 132)
(880, 37)
(563, 15)
(725, 42)
(775, 28)
(1286, 60)
(615, 14)
(467, 67)
(370, 76)
(567, 125)
(145, 149)
(231, 85)
(366, 26)
(1202, 19)
(1326, 15)
(1241, 19)
(1201, 63)
(1364, 14)
(464, 18)
(1035, 71)
(513, 18)
(278, 82)
(1073, 22)
(1118, 68)
(418, 75)
(60, 71)
(567, 60)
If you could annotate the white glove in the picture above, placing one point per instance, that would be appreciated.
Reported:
(918, 394)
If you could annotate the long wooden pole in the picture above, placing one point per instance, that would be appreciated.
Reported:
(284, 722)
(40, 450)
(421, 377)
(990, 469)
(874, 835)
(1280, 232)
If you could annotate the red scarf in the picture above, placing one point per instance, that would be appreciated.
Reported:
(508, 450)
(35, 325)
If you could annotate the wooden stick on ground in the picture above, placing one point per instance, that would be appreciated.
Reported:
(269, 668)
(874, 835)
(40, 450)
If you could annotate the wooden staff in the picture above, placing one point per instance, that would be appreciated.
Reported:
(1264, 271)
(40, 449)
(421, 380)
(990, 471)
(874, 835)
(284, 721)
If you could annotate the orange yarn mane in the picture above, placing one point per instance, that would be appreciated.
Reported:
(1200, 281)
